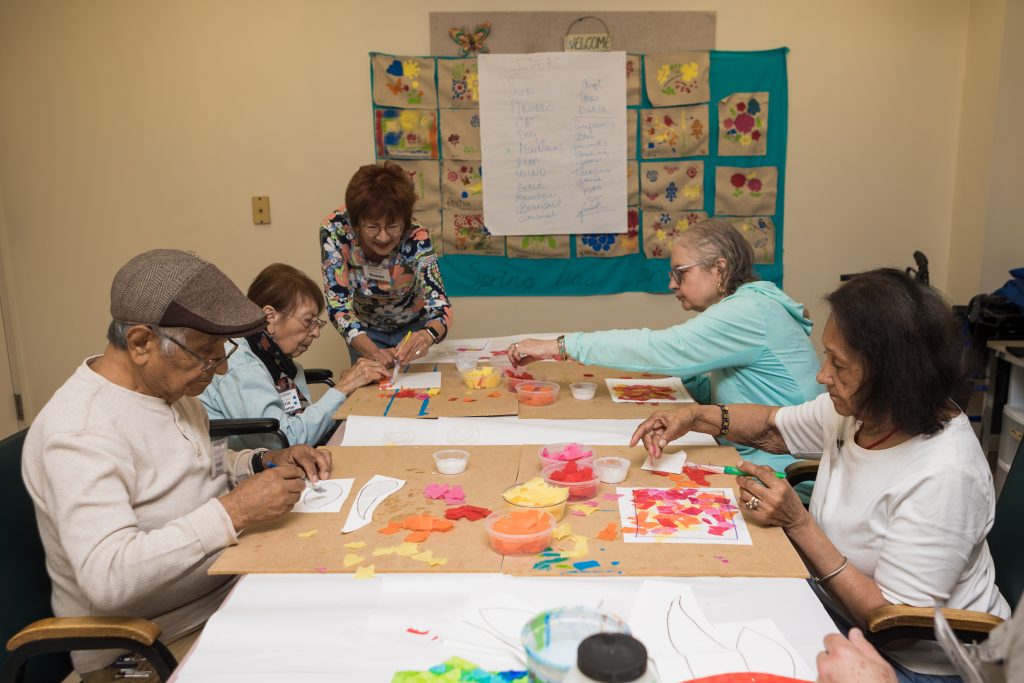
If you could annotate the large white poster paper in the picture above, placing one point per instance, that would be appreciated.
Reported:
(554, 142)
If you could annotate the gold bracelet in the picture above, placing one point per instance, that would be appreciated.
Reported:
(834, 573)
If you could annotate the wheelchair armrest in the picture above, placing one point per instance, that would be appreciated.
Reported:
(801, 471)
(319, 376)
(243, 426)
(895, 622)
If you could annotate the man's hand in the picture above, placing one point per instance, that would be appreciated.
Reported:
(264, 497)
(315, 463)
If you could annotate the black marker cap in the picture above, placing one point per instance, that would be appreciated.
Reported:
(612, 658)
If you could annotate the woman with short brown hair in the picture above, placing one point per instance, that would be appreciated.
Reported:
(383, 285)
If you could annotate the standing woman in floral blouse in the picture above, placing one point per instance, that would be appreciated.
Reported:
(380, 270)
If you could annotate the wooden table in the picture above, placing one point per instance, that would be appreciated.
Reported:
(278, 548)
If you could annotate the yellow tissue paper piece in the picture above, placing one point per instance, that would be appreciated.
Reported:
(356, 545)
(580, 548)
(428, 557)
(561, 531)
(352, 558)
(584, 509)
(365, 572)
(537, 493)
(407, 549)
(434, 391)
(481, 378)
(308, 534)
(390, 550)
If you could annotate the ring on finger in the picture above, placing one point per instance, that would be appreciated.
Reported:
(754, 503)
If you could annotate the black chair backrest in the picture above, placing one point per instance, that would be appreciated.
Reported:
(1004, 540)
(23, 566)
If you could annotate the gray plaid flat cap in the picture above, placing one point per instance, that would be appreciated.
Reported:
(171, 288)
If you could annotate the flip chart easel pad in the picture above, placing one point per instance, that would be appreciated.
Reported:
(554, 142)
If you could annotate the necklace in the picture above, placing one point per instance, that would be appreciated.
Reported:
(882, 440)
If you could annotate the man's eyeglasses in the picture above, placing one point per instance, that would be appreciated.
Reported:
(676, 273)
(207, 364)
(310, 323)
(372, 229)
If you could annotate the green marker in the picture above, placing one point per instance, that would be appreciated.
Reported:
(729, 469)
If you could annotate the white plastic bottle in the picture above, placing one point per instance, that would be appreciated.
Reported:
(611, 658)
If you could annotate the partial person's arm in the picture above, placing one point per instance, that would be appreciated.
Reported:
(749, 424)
(428, 280)
(334, 253)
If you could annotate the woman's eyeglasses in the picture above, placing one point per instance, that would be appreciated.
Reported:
(310, 323)
(676, 273)
(372, 229)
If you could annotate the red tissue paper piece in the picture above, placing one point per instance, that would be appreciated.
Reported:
(470, 512)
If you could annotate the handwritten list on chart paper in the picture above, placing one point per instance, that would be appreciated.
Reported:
(553, 139)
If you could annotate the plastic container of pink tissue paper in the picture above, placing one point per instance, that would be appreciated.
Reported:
(563, 453)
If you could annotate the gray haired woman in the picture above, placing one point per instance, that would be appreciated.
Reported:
(751, 340)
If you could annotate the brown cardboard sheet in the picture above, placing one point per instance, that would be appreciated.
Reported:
(276, 547)
(770, 555)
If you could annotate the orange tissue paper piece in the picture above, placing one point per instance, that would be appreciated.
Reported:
(417, 537)
(609, 532)
(522, 522)
(391, 528)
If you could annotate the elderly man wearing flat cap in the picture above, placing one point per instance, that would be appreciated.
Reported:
(132, 504)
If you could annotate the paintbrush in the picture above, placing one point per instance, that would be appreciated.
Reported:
(398, 366)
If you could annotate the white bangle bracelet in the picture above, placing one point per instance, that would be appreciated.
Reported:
(834, 573)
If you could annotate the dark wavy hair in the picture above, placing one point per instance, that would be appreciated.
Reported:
(380, 191)
(906, 336)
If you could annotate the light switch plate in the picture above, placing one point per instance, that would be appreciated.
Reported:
(261, 210)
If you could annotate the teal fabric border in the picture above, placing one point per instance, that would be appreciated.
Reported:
(731, 72)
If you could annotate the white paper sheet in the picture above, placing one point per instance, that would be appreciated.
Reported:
(736, 532)
(365, 430)
(417, 380)
(553, 142)
(672, 463)
(330, 497)
(680, 394)
(369, 497)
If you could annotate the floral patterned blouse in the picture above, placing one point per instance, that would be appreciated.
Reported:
(357, 303)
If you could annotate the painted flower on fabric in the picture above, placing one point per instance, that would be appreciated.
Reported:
(741, 106)
(668, 121)
(652, 176)
(629, 67)
(691, 191)
(671, 192)
(728, 123)
(691, 171)
(738, 180)
(453, 176)
(754, 185)
(475, 121)
(454, 138)
(663, 73)
(756, 135)
(744, 123)
(753, 106)
(745, 139)
(660, 234)
(411, 68)
(690, 71)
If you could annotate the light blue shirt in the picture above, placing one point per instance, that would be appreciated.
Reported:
(754, 345)
(247, 391)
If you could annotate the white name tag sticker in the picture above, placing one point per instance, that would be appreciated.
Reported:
(290, 399)
(219, 448)
(379, 273)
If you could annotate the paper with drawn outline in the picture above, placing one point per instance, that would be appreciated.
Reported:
(332, 495)
(369, 497)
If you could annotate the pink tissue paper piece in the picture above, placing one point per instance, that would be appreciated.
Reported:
(572, 451)
(435, 491)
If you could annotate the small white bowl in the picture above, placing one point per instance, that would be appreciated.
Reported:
(611, 469)
(451, 461)
(583, 391)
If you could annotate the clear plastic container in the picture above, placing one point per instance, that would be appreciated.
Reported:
(483, 377)
(518, 544)
(583, 391)
(534, 392)
(465, 362)
(451, 461)
(557, 510)
(556, 448)
(578, 490)
(611, 469)
(552, 638)
(513, 381)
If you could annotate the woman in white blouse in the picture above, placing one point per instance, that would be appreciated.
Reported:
(903, 500)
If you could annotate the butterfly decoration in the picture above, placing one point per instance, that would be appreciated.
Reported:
(471, 43)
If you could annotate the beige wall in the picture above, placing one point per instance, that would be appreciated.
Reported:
(127, 125)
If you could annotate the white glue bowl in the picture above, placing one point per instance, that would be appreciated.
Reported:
(583, 391)
(611, 469)
(451, 461)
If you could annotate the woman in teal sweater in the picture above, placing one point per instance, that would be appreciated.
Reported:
(750, 340)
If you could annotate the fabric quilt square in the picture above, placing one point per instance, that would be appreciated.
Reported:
(662, 228)
(406, 82)
(431, 220)
(538, 246)
(611, 244)
(677, 78)
(631, 123)
(633, 181)
(405, 133)
(460, 133)
(759, 231)
(465, 233)
(743, 124)
(672, 186)
(746, 191)
(458, 83)
(425, 180)
(462, 185)
(633, 79)
(674, 132)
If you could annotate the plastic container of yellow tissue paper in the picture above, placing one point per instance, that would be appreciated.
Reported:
(536, 494)
(484, 377)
